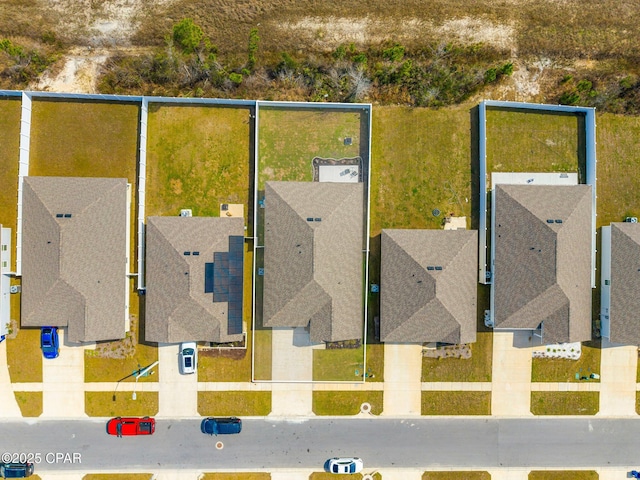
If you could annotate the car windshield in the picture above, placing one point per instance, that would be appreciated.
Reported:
(187, 351)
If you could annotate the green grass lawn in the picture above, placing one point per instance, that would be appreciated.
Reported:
(339, 364)
(30, 403)
(24, 357)
(565, 403)
(262, 362)
(563, 475)
(106, 367)
(618, 159)
(456, 403)
(289, 139)
(197, 157)
(345, 402)
(238, 403)
(563, 370)
(525, 141)
(101, 404)
(9, 155)
(422, 161)
(475, 369)
(375, 362)
(456, 475)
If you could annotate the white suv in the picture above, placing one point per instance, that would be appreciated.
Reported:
(188, 358)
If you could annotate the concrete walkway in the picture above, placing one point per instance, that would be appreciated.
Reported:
(292, 361)
(8, 406)
(177, 394)
(63, 382)
(509, 474)
(400, 473)
(403, 379)
(511, 376)
(618, 366)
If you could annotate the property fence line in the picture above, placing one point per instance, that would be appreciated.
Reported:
(142, 185)
(23, 170)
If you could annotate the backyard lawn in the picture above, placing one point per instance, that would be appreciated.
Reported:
(197, 157)
(345, 402)
(564, 370)
(565, 403)
(456, 402)
(234, 403)
(9, 154)
(290, 138)
(422, 161)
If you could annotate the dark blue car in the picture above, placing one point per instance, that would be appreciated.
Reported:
(16, 470)
(215, 426)
(49, 342)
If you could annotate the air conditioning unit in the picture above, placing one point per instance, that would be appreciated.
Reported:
(186, 212)
(631, 219)
(15, 289)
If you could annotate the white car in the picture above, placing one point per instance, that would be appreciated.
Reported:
(188, 358)
(345, 465)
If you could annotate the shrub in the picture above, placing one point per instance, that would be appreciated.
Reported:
(490, 75)
(236, 78)
(569, 98)
(340, 52)
(507, 69)
(187, 35)
(394, 53)
(253, 48)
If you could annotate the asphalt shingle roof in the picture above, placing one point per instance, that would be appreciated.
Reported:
(625, 283)
(428, 286)
(542, 265)
(313, 269)
(74, 267)
(177, 307)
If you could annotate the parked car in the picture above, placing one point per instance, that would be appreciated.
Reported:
(215, 426)
(345, 465)
(131, 426)
(49, 342)
(16, 470)
(188, 357)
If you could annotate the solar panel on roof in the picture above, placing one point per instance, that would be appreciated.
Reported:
(228, 282)
(208, 277)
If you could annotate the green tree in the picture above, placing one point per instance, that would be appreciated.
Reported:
(187, 34)
(253, 48)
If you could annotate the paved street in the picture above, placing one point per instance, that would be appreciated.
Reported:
(479, 443)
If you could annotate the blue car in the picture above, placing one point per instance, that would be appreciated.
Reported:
(49, 342)
(215, 426)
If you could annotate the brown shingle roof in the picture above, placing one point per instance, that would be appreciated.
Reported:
(625, 283)
(428, 286)
(313, 269)
(177, 307)
(542, 265)
(74, 268)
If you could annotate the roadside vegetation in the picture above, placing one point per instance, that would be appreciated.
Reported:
(236, 476)
(237, 403)
(120, 404)
(563, 475)
(456, 475)
(30, 403)
(118, 476)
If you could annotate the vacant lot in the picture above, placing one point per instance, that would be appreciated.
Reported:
(197, 157)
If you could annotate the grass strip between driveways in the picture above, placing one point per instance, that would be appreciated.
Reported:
(565, 403)
(456, 475)
(101, 404)
(563, 475)
(238, 403)
(30, 403)
(565, 370)
(346, 402)
(456, 403)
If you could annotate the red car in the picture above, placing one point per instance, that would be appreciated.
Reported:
(131, 426)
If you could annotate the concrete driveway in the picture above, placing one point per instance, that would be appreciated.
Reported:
(177, 394)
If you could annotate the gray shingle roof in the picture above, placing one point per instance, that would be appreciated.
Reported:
(542, 266)
(177, 309)
(625, 283)
(313, 269)
(421, 302)
(74, 268)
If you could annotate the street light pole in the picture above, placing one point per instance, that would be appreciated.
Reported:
(139, 374)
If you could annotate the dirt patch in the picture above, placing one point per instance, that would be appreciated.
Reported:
(448, 351)
(232, 353)
(469, 30)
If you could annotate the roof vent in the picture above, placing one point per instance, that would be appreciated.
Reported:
(309, 219)
(187, 253)
(549, 220)
(59, 215)
(431, 268)
(438, 267)
(558, 220)
(196, 253)
(318, 219)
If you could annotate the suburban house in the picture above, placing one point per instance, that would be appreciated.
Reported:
(541, 242)
(75, 256)
(620, 282)
(428, 286)
(194, 279)
(5, 279)
(313, 261)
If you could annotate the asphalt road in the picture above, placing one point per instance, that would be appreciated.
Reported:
(381, 443)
